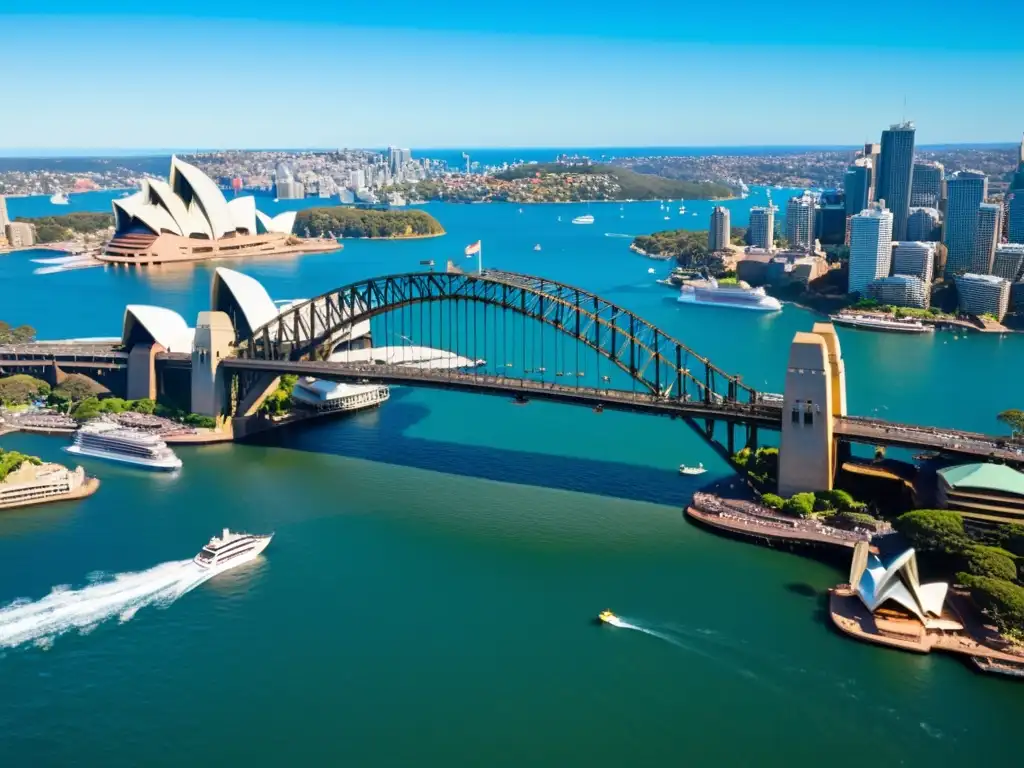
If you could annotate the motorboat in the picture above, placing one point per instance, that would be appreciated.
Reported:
(650, 270)
(607, 617)
(536, 247)
(685, 470)
(584, 219)
(230, 550)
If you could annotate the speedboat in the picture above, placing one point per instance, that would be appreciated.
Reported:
(584, 219)
(230, 550)
(685, 470)
(536, 247)
(607, 617)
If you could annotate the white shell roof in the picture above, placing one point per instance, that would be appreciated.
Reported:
(243, 213)
(210, 198)
(249, 294)
(899, 583)
(153, 216)
(283, 222)
(165, 326)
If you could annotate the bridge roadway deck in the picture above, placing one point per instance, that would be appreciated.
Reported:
(613, 399)
(970, 444)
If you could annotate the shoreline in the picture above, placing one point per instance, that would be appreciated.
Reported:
(637, 249)
(399, 237)
(940, 323)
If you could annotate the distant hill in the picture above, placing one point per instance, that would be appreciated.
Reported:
(632, 185)
(342, 221)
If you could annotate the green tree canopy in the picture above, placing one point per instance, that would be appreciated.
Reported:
(799, 505)
(1014, 419)
(772, 501)
(22, 334)
(10, 461)
(77, 387)
(343, 221)
(933, 530)
(994, 562)
(21, 389)
(1001, 600)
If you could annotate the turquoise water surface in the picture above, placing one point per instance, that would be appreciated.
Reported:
(428, 596)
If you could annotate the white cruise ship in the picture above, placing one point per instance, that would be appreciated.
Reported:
(740, 296)
(873, 323)
(103, 440)
(584, 219)
(230, 550)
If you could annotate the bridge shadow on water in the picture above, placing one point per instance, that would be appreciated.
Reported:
(381, 436)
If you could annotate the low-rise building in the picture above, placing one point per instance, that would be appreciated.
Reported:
(35, 484)
(916, 259)
(20, 234)
(900, 291)
(983, 294)
(759, 266)
(985, 494)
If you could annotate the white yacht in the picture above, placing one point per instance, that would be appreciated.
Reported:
(584, 219)
(876, 323)
(685, 470)
(230, 550)
(103, 440)
(59, 199)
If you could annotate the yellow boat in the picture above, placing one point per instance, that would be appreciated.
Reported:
(607, 617)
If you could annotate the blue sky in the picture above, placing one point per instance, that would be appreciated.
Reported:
(194, 74)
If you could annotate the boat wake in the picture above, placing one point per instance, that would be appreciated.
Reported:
(617, 234)
(41, 621)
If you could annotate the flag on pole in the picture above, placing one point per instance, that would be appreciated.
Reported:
(474, 249)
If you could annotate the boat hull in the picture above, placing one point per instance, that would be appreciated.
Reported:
(771, 306)
(881, 328)
(164, 465)
(248, 557)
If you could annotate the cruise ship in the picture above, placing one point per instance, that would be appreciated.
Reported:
(584, 219)
(103, 440)
(230, 550)
(874, 323)
(740, 296)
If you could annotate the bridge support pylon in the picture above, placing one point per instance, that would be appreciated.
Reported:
(215, 335)
(142, 382)
(815, 394)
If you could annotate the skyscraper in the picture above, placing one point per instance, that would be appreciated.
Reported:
(914, 259)
(718, 234)
(762, 226)
(926, 185)
(986, 237)
(923, 225)
(895, 175)
(800, 222)
(870, 247)
(857, 186)
(965, 192)
(1015, 203)
(872, 152)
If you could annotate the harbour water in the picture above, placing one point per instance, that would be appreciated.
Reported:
(428, 596)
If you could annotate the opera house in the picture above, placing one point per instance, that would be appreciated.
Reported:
(897, 583)
(187, 218)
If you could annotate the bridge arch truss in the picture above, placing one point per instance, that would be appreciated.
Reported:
(663, 366)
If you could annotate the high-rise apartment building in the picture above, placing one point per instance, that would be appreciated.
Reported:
(830, 218)
(872, 152)
(900, 291)
(914, 259)
(983, 295)
(895, 175)
(870, 247)
(986, 237)
(761, 230)
(800, 222)
(857, 186)
(923, 225)
(1015, 216)
(1009, 261)
(719, 232)
(965, 192)
(926, 185)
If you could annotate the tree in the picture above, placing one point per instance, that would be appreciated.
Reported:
(114, 405)
(145, 405)
(933, 530)
(22, 334)
(772, 501)
(994, 562)
(1011, 537)
(87, 409)
(1014, 419)
(77, 387)
(1001, 600)
(21, 389)
(799, 505)
(838, 499)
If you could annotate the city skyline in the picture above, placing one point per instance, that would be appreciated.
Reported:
(457, 82)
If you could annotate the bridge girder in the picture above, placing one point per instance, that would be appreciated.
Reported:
(651, 357)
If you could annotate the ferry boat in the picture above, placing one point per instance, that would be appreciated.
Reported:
(584, 219)
(103, 440)
(59, 199)
(685, 470)
(230, 550)
(738, 296)
(872, 323)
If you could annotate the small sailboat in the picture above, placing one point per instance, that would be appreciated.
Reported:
(650, 271)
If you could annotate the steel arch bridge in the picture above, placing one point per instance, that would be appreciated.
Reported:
(666, 368)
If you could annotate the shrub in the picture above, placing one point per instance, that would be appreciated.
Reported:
(114, 405)
(990, 561)
(1011, 537)
(77, 387)
(1001, 600)
(933, 530)
(772, 501)
(741, 458)
(21, 389)
(143, 406)
(799, 505)
(87, 409)
(837, 499)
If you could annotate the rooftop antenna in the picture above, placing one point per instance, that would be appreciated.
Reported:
(904, 107)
